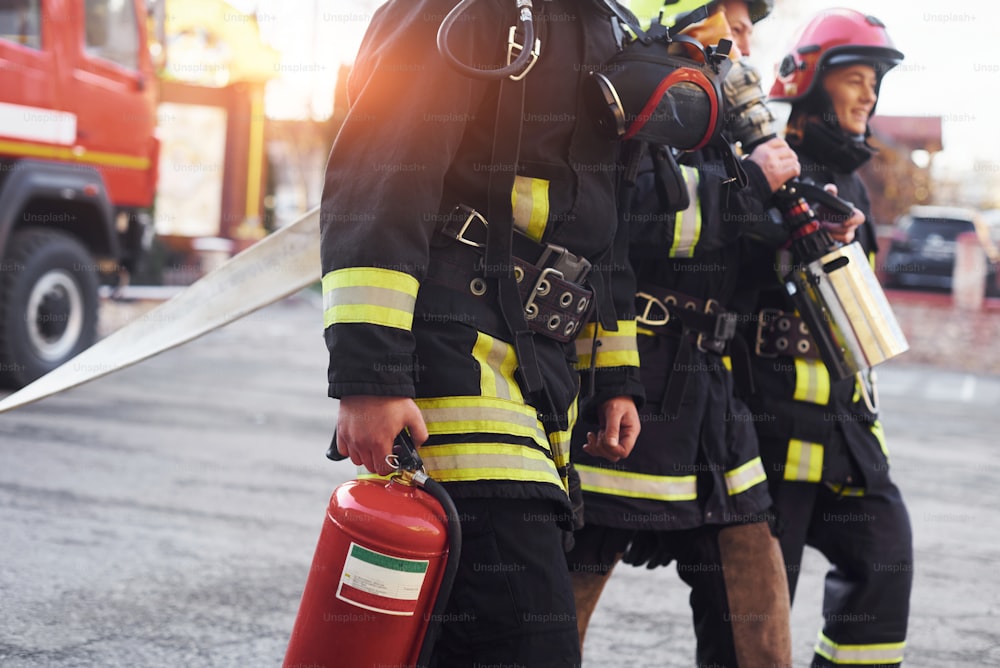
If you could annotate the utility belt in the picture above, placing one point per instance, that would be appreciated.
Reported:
(783, 333)
(665, 311)
(550, 279)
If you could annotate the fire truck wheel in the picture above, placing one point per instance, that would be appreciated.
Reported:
(48, 304)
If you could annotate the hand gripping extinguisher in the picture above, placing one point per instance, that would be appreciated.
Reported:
(382, 571)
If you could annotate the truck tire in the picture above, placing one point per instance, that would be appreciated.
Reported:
(48, 304)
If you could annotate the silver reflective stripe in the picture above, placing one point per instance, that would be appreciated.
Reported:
(477, 415)
(488, 461)
(804, 461)
(637, 485)
(746, 476)
(687, 223)
(497, 363)
(368, 296)
(860, 654)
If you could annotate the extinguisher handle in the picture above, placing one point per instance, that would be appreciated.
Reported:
(406, 452)
(402, 447)
(332, 453)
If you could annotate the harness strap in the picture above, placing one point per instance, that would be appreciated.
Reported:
(499, 234)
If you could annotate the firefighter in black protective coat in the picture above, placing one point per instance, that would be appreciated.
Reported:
(416, 336)
(822, 443)
(694, 489)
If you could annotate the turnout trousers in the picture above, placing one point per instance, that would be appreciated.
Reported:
(867, 539)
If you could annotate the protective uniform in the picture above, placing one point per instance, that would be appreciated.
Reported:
(694, 488)
(408, 312)
(822, 444)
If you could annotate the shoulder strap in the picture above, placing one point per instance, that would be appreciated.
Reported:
(498, 262)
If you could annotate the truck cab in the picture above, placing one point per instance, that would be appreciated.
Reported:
(78, 170)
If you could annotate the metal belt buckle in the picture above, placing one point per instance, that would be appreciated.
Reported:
(761, 324)
(512, 55)
(725, 322)
(473, 216)
(572, 268)
(541, 288)
(651, 301)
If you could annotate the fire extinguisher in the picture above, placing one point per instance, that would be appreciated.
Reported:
(382, 571)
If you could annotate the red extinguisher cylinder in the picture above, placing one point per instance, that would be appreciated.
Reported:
(374, 579)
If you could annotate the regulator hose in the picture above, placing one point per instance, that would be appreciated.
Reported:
(437, 490)
(518, 64)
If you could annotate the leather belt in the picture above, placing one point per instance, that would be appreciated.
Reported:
(549, 277)
(668, 311)
(783, 333)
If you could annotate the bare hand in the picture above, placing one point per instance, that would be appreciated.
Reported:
(619, 429)
(777, 160)
(839, 228)
(367, 426)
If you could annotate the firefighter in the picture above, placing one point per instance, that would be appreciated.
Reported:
(822, 443)
(424, 184)
(694, 488)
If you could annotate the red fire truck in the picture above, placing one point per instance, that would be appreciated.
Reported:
(78, 163)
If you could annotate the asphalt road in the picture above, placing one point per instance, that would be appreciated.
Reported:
(166, 515)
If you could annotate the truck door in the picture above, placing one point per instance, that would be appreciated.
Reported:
(114, 92)
(31, 122)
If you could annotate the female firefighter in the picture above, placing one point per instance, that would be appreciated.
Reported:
(822, 443)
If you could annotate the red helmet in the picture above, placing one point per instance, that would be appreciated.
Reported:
(834, 37)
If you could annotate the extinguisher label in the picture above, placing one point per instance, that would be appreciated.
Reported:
(381, 582)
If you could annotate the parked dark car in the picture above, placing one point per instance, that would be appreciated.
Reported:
(922, 253)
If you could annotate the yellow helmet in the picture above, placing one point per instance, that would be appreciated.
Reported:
(647, 10)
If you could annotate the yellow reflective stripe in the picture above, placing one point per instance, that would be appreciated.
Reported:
(727, 362)
(837, 488)
(745, 476)
(560, 440)
(879, 432)
(369, 295)
(497, 362)
(804, 461)
(812, 381)
(121, 160)
(530, 202)
(637, 485)
(458, 462)
(687, 223)
(476, 415)
(889, 652)
(615, 349)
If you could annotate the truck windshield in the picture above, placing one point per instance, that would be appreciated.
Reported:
(111, 32)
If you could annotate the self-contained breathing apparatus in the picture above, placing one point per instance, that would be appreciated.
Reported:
(651, 91)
